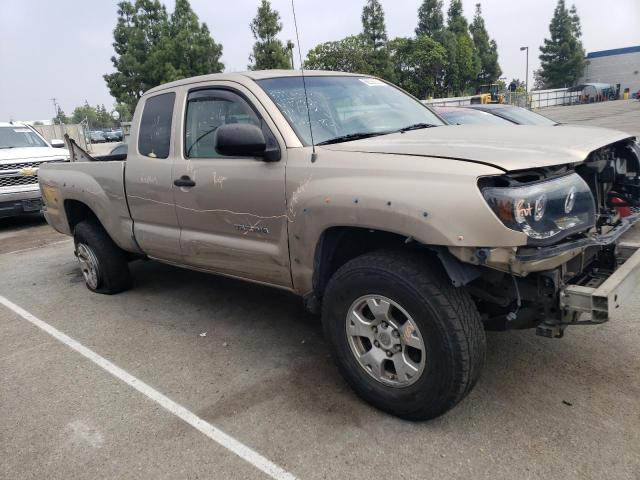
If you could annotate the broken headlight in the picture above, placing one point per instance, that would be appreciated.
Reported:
(545, 211)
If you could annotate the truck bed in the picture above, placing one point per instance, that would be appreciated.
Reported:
(98, 185)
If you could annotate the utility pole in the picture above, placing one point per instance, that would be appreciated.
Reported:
(526, 78)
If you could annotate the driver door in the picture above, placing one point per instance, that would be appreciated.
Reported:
(231, 210)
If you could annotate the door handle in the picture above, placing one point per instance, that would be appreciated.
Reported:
(184, 181)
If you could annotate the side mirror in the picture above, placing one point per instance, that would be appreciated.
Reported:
(244, 140)
(57, 143)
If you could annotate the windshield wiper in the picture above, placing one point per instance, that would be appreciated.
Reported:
(9, 146)
(417, 126)
(351, 136)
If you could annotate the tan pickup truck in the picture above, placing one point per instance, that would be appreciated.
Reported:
(410, 237)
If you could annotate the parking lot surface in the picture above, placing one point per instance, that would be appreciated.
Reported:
(621, 114)
(250, 361)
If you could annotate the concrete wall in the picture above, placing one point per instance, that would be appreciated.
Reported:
(76, 132)
(623, 68)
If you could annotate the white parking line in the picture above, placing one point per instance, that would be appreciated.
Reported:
(215, 434)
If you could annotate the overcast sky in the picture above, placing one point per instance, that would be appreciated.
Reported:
(62, 48)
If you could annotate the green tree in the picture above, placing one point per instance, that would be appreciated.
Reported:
(562, 56)
(374, 33)
(463, 62)
(152, 48)
(103, 117)
(430, 18)
(418, 64)
(186, 49)
(374, 28)
(138, 32)
(520, 85)
(456, 22)
(268, 51)
(351, 54)
(60, 118)
(486, 49)
(85, 112)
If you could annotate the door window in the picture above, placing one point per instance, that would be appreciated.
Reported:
(154, 136)
(206, 111)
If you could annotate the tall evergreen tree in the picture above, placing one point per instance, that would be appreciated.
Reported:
(486, 49)
(456, 22)
(374, 28)
(463, 61)
(430, 18)
(187, 49)
(268, 51)
(137, 34)
(152, 48)
(562, 56)
(374, 33)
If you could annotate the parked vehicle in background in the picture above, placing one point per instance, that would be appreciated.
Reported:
(467, 116)
(410, 239)
(110, 136)
(22, 152)
(517, 115)
(97, 137)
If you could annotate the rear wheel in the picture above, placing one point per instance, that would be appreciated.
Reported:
(403, 337)
(103, 264)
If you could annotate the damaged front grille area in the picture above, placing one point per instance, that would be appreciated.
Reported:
(613, 175)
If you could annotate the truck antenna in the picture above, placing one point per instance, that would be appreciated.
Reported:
(314, 155)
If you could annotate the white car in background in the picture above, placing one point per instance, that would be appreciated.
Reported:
(22, 151)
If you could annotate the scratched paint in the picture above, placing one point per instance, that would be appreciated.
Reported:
(295, 197)
(218, 180)
(149, 180)
(213, 210)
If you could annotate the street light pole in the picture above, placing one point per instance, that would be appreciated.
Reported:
(526, 79)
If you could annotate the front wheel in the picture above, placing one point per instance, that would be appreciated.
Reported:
(404, 338)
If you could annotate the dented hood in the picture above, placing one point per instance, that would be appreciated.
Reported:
(510, 147)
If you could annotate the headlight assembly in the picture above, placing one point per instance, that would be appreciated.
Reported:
(545, 211)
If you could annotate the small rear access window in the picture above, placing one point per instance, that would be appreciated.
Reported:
(154, 135)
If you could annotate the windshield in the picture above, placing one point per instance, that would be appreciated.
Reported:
(343, 106)
(522, 116)
(466, 116)
(18, 137)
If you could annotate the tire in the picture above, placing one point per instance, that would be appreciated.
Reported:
(442, 317)
(103, 264)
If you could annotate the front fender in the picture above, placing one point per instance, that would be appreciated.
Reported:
(440, 205)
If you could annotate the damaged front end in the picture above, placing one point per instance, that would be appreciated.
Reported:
(582, 248)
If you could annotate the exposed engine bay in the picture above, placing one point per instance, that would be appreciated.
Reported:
(574, 216)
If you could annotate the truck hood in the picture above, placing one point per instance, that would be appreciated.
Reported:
(509, 148)
(32, 154)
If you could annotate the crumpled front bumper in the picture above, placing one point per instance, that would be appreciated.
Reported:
(601, 296)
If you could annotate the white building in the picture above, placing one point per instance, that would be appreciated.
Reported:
(617, 66)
